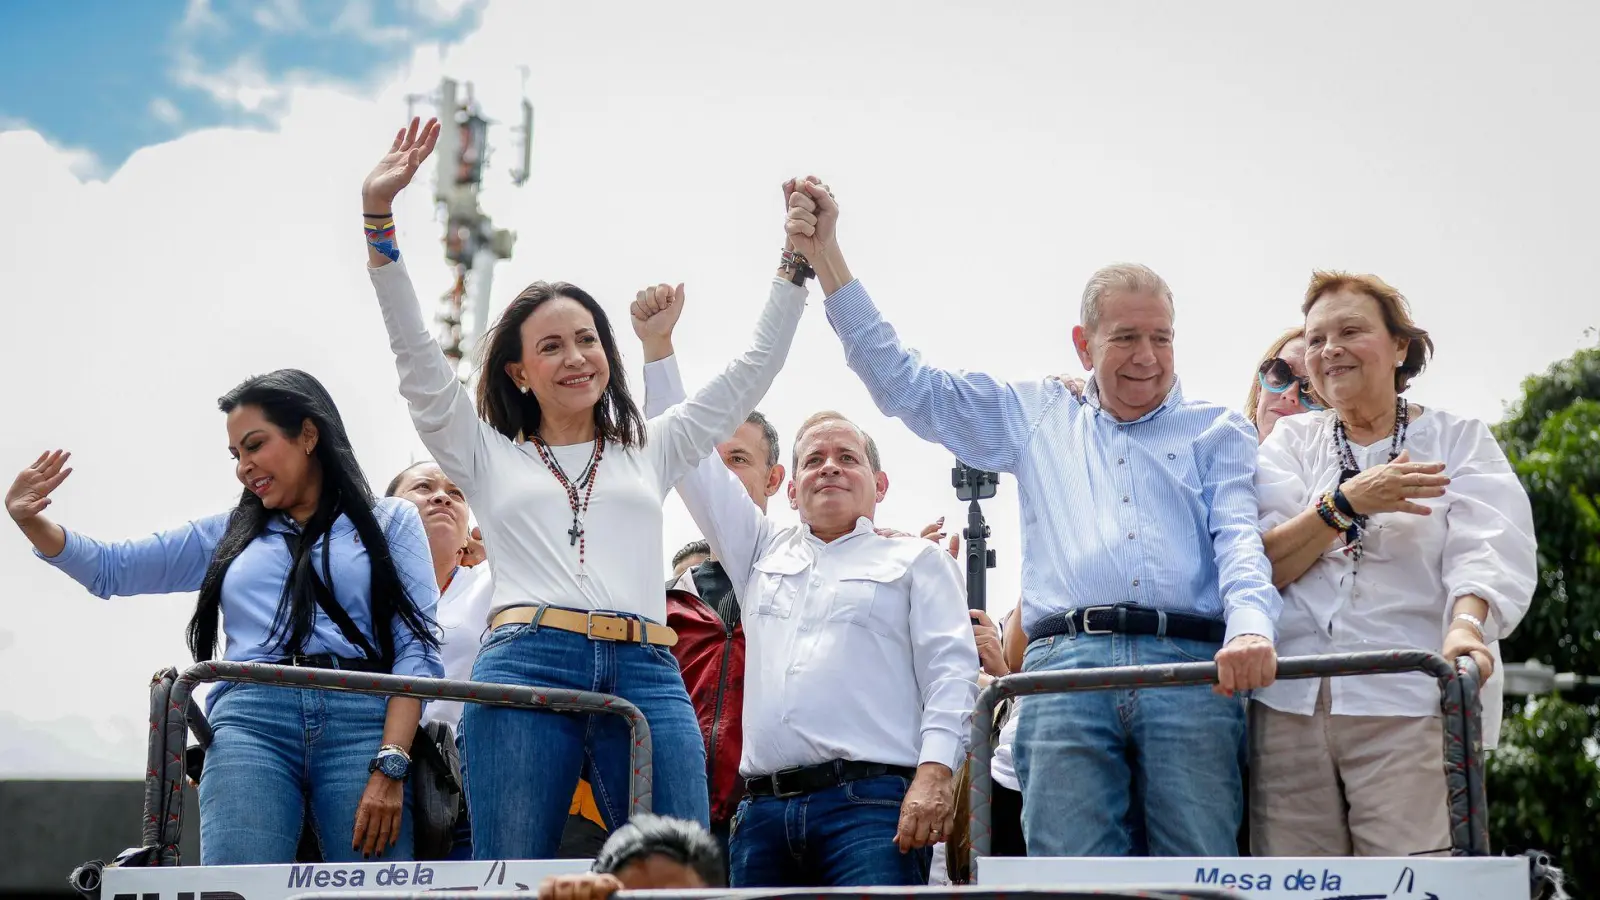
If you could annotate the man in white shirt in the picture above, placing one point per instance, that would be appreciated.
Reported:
(859, 683)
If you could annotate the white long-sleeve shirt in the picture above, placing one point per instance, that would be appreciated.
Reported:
(463, 619)
(522, 509)
(1478, 540)
(857, 649)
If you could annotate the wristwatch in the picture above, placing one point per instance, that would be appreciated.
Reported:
(393, 762)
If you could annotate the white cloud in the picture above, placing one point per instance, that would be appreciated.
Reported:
(164, 111)
(358, 19)
(199, 16)
(986, 162)
(280, 15)
(243, 84)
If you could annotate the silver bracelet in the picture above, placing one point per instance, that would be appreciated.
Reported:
(1472, 620)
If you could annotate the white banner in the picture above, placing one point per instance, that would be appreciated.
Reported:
(1457, 878)
(281, 882)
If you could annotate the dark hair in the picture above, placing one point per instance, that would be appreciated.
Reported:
(515, 414)
(289, 398)
(693, 548)
(679, 840)
(394, 483)
(768, 434)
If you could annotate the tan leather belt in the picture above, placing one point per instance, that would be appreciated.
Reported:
(596, 626)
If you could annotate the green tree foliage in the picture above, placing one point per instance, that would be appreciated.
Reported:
(1544, 782)
(1552, 438)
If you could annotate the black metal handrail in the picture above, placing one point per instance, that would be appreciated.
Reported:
(172, 696)
(1459, 686)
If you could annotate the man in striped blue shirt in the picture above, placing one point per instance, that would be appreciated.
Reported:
(1139, 546)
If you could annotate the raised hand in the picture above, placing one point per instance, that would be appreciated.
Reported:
(813, 216)
(411, 147)
(30, 492)
(655, 311)
(1392, 487)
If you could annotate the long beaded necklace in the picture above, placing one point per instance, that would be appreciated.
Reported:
(1349, 468)
(585, 482)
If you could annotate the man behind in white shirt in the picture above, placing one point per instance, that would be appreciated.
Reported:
(859, 683)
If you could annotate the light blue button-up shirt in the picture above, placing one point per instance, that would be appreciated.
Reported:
(176, 560)
(1159, 512)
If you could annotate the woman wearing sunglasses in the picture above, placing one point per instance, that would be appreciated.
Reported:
(1281, 387)
(1389, 526)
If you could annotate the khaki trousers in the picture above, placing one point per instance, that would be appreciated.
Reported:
(1327, 785)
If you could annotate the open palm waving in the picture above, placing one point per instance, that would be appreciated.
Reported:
(412, 146)
(30, 493)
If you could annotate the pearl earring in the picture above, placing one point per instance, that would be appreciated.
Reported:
(523, 388)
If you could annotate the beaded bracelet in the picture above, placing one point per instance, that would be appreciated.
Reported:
(1331, 515)
(798, 266)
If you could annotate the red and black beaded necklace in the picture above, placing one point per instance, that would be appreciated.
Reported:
(584, 482)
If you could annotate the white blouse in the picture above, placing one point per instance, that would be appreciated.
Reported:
(463, 618)
(519, 505)
(1478, 540)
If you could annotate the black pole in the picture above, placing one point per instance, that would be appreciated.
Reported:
(973, 485)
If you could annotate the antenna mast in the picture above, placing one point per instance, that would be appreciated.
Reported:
(472, 245)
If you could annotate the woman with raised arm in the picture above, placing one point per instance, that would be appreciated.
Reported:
(307, 570)
(567, 481)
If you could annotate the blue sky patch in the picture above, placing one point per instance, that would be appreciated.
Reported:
(111, 76)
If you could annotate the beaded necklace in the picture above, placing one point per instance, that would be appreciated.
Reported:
(585, 482)
(1350, 469)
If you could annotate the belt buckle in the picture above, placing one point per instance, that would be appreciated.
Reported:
(778, 792)
(1091, 609)
(614, 621)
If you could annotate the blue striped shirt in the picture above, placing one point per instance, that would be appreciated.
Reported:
(1159, 512)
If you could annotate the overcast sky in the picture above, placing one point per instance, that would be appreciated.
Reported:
(988, 159)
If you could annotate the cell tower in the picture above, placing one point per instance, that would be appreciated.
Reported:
(472, 245)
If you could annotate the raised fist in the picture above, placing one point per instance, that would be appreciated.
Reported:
(655, 311)
(813, 216)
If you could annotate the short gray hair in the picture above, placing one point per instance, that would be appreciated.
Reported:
(1130, 278)
(828, 415)
(768, 434)
(679, 840)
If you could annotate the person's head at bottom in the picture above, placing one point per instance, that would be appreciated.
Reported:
(648, 852)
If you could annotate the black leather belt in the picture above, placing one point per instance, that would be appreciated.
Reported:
(329, 661)
(793, 782)
(1122, 618)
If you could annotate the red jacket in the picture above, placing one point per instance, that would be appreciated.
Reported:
(711, 655)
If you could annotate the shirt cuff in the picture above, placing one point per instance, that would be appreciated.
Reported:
(939, 746)
(850, 308)
(75, 550)
(1245, 620)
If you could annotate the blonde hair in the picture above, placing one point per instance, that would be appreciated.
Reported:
(1254, 396)
(1396, 317)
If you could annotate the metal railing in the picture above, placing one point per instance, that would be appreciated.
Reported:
(172, 715)
(1458, 686)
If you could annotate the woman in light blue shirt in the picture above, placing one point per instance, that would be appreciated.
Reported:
(299, 572)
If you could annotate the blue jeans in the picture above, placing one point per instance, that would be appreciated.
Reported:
(462, 848)
(525, 765)
(1084, 757)
(837, 837)
(274, 751)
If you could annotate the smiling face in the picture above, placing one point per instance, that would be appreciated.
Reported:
(444, 511)
(1130, 352)
(1350, 354)
(1270, 407)
(833, 483)
(279, 468)
(563, 362)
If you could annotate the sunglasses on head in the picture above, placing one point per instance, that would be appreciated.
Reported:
(1276, 377)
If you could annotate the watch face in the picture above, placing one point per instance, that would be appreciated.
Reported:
(393, 765)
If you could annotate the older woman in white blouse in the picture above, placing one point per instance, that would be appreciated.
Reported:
(1388, 525)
